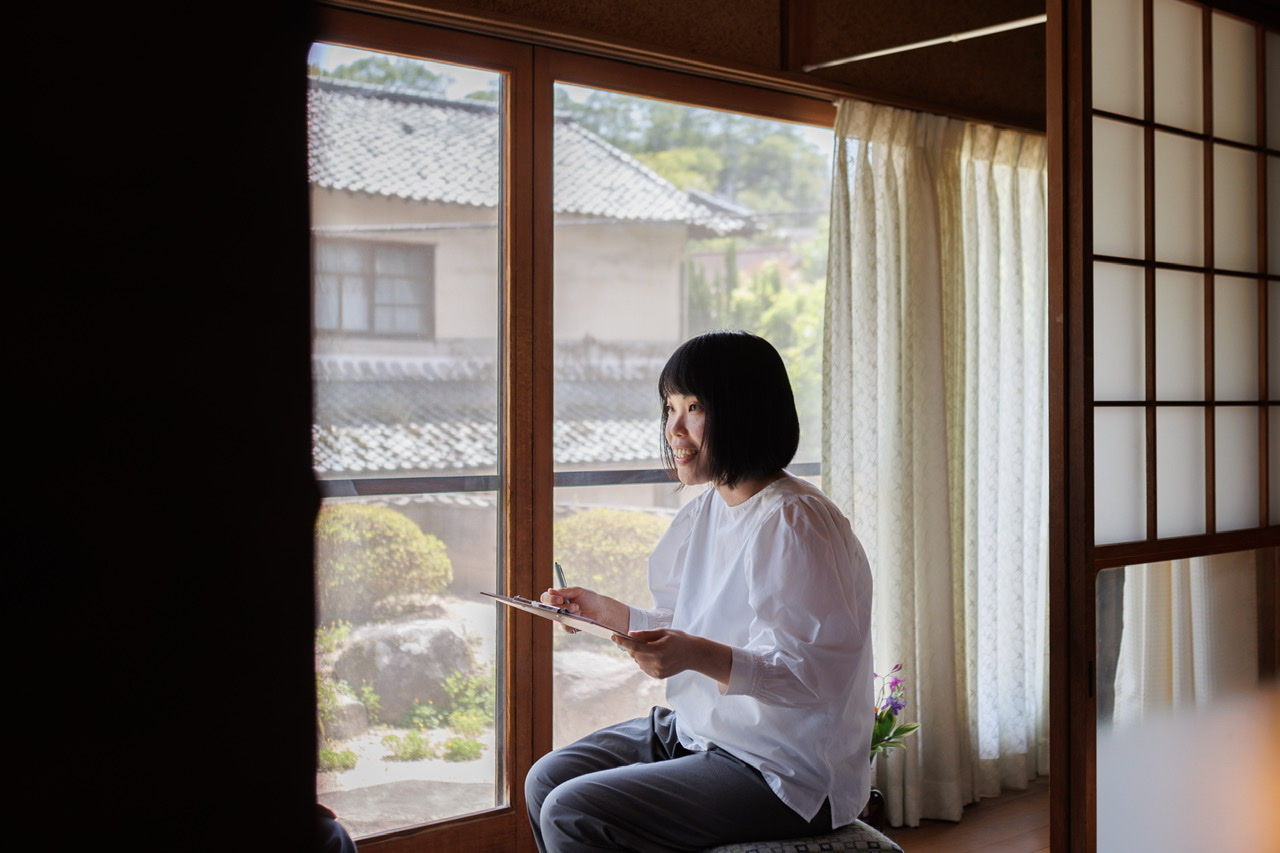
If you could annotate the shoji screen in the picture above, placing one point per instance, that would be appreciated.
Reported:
(1184, 130)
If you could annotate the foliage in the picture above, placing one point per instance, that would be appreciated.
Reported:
(365, 553)
(372, 702)
(782, 305)
(383, 70)
(691, 168)
(470, 710)
(470, 723)
(608, 550)
(425, 716)
(472, 695)
(762, 164)
(462, 749)
(414, 746)
(327, 693)
(887, 734)
(329, 638)
(336, 759)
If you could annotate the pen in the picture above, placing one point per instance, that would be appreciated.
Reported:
(560, 576)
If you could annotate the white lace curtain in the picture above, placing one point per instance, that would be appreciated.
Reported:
(935, 441)
(1190, 635)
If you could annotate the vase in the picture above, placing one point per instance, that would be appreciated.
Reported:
(873, 815)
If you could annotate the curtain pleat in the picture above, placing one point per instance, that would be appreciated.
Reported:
(934, 444)
(1189, 638)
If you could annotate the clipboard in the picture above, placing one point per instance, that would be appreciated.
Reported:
(556, 614)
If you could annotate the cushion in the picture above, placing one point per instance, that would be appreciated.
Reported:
(855, 836)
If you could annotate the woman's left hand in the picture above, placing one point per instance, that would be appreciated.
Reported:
(666, 652)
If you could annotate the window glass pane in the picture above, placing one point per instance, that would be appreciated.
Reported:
(1177, 658)
(405, 647)
(355, 305)
(670, 221)
(327, 294)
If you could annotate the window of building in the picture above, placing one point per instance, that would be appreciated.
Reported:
(374, 288)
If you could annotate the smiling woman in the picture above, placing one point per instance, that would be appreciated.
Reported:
(760, 631)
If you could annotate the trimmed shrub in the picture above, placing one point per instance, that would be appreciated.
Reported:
(366, 553)
(608, 550)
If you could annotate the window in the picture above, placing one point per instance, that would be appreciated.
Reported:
(675, 221)
(374, 288)
(553, 267)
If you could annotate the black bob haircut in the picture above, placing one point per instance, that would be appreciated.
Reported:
(751, 428)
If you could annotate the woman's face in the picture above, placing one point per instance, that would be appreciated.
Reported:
(685, 421)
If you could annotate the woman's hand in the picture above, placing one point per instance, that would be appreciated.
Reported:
(667, 652)
(591, 604)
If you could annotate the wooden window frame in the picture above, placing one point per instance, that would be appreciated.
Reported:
(526, 480)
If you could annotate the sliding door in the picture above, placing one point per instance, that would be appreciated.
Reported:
(1164, 124)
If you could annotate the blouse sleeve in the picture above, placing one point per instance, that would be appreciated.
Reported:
(808, 588)
(665, 565)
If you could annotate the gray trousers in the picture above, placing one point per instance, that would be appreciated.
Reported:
(633, 787)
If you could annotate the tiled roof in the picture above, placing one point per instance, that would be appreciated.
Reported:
(381, 415)
(392, 142)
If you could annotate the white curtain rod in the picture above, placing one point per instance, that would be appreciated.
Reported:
(954, 37)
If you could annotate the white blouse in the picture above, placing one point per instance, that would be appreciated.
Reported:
(783, 581)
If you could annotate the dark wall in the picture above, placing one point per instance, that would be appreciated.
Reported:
(998, 79)
(157, 544)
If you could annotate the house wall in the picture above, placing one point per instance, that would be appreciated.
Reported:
(620, 282)
(614, 282)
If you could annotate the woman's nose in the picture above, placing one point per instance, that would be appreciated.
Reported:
(675, 424)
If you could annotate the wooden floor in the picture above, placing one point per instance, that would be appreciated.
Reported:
(1015, 822)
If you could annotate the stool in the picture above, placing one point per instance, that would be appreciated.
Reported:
(855, 836)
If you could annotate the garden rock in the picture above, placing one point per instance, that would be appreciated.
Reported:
(405, 663)
(595, 689)
(349, 719)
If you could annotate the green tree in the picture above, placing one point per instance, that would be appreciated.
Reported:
(383, 70)
(686, 168)
(762, 164)
(365, 553)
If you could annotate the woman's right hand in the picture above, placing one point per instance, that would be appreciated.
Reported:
(591, 604)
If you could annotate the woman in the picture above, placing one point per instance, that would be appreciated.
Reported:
(761, 629)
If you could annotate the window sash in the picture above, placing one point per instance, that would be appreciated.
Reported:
(526, 480)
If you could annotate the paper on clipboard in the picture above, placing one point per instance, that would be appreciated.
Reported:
(556, 614)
